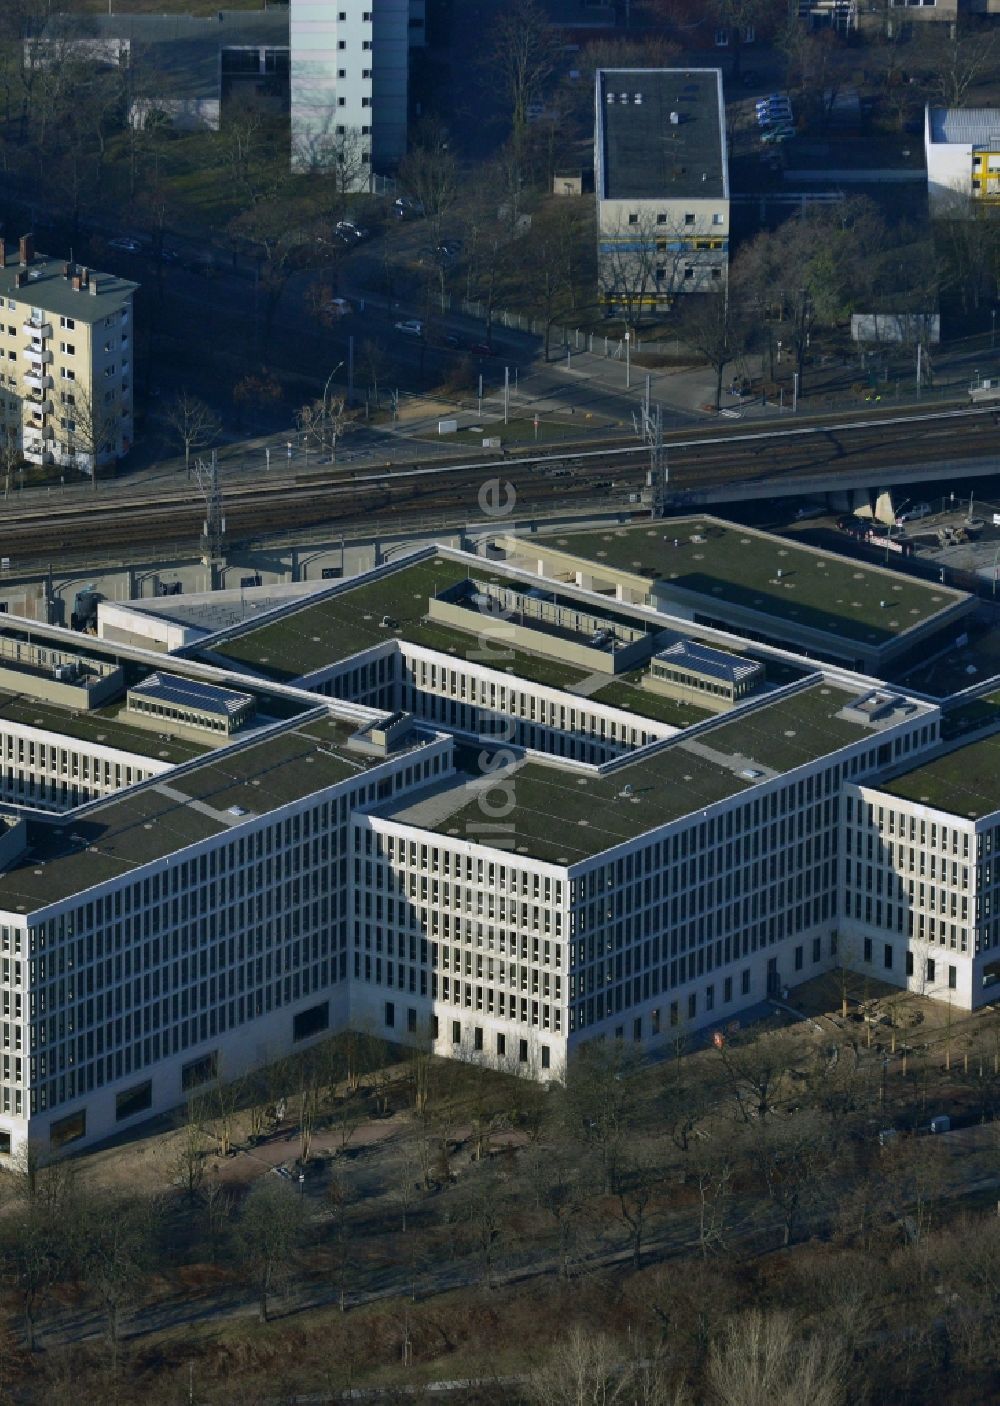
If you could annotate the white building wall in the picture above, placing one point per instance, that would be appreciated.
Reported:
(920, 897)
(949, 175)
(55, 772)
(471, 958)
(213, 950)
(349, 82)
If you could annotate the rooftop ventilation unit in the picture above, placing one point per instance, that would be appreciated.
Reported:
(675, 118)
(637, 99)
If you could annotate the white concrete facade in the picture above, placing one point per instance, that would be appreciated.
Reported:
(920, 897)
(349, 86)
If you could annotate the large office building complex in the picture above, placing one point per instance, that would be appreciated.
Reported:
(67, 374)
(662, 182)
(471, 801)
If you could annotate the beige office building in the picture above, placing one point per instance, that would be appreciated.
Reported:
(66, 359)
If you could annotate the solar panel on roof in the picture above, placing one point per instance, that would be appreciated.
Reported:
(712, 663)
(191, 693)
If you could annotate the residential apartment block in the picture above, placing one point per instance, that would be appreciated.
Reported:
(451, 803)
(66, 359)
(350, 84)
(662, 182)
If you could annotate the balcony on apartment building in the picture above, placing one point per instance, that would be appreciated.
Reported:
(38, 356)
(33, 328)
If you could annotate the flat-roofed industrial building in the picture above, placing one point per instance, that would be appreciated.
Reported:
(662, 183)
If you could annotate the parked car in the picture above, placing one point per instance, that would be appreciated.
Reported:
(775, 135)
(347, 229)
(125, 244)
(410, 327)
(482, 349)
(406, 208)
(915, 513)
(774, 117)
(337, 307)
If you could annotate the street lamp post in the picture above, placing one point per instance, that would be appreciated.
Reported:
(326, 391)
(628, 360)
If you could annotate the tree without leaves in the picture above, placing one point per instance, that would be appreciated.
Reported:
(598, 1101)
(957, 59)
(190, 1162)
(763, 1359)
(94, 439)
(712, 325)
(192, 423)
(562, 1189)
(340, 1195)
(322, 423)
(36, 1253)
(11, 457)
(794, 1159)
(116, 1256)
(637, 1179)
(429, 174)
(270, 1230)
(523, 58)
(486, 1216)
(595, 1369)
(710, 1168)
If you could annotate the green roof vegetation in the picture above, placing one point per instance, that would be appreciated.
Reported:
(108, 727)
(736, 565)
(964, 782)
(177, 811)
(626, 692)
(561, 818)
(969, 717)
(335, 628)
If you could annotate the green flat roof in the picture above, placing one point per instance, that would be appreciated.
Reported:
(109, 727)
(173, 812)
(969, 717)
(563, 818)
(625, 692)
(332, 629)
(738, 565)
(965, 782)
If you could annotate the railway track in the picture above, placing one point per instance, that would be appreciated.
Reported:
(696, 460)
